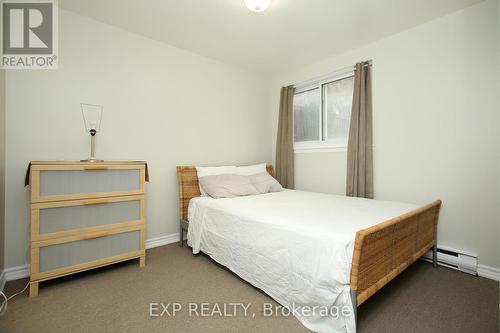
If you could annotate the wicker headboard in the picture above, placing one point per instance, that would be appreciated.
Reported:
(188, 186)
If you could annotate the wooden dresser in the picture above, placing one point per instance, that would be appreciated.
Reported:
(85, 215)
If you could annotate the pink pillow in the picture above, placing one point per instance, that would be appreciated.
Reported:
(227, 186)
(265, 183)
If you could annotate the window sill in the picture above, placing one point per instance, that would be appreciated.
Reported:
(320, 149)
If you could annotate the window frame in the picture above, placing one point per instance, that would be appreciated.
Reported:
(322, 144)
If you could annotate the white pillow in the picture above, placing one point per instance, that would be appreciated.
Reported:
(251, 169)
(212, 171)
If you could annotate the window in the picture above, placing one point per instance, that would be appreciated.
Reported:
(322, 113)
(307, 115)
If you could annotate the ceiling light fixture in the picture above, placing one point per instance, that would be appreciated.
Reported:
(257, 5)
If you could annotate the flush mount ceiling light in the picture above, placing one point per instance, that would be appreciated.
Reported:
(257, 5)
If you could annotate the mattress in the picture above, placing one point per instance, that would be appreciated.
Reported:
(296, 246)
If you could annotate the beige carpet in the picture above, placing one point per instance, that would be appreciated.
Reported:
(117, 298)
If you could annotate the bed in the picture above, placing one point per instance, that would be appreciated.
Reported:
(305, 248)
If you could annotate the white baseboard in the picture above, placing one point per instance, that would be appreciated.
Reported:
(17, 272)
(20, 272)
(488, 272)
(162, 240)
(2, 280)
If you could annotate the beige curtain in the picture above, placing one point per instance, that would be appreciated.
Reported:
(284, 142)
(359, 147)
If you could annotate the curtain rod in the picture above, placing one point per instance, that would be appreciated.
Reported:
(339, 71)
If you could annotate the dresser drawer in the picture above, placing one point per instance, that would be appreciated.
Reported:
(92, 251)
(57, 219)
(67, 182)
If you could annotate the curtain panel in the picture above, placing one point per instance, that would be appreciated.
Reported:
(360, 142)
(284, 141)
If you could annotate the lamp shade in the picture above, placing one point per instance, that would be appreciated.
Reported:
(92, 115)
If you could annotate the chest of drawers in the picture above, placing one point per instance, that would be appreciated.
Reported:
(85, 215)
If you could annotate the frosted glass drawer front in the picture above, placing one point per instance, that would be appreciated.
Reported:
(86, 216)
(79, 252)
(64, 182)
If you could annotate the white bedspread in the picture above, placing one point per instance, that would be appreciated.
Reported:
(296, 246)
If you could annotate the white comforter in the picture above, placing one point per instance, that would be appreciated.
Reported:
(296, 246)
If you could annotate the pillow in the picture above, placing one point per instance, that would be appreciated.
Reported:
(265, 183)
(209, 171)
(227, 186)
(251, 169)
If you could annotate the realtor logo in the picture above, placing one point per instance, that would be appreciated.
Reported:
(29, 34)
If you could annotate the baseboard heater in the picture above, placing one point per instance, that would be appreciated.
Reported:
(459, 260)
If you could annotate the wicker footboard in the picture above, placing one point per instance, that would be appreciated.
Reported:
(383, 251)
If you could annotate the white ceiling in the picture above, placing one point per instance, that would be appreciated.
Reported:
(290, 33)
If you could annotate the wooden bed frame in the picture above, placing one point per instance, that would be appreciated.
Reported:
(381, 252)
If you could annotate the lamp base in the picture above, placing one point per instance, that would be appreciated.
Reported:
(92, 160)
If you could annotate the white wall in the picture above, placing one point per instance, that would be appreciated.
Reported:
(498, 101)
(2, 170)
(161, 104)
(436, 119)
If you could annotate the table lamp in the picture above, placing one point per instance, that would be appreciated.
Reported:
(92, 115)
